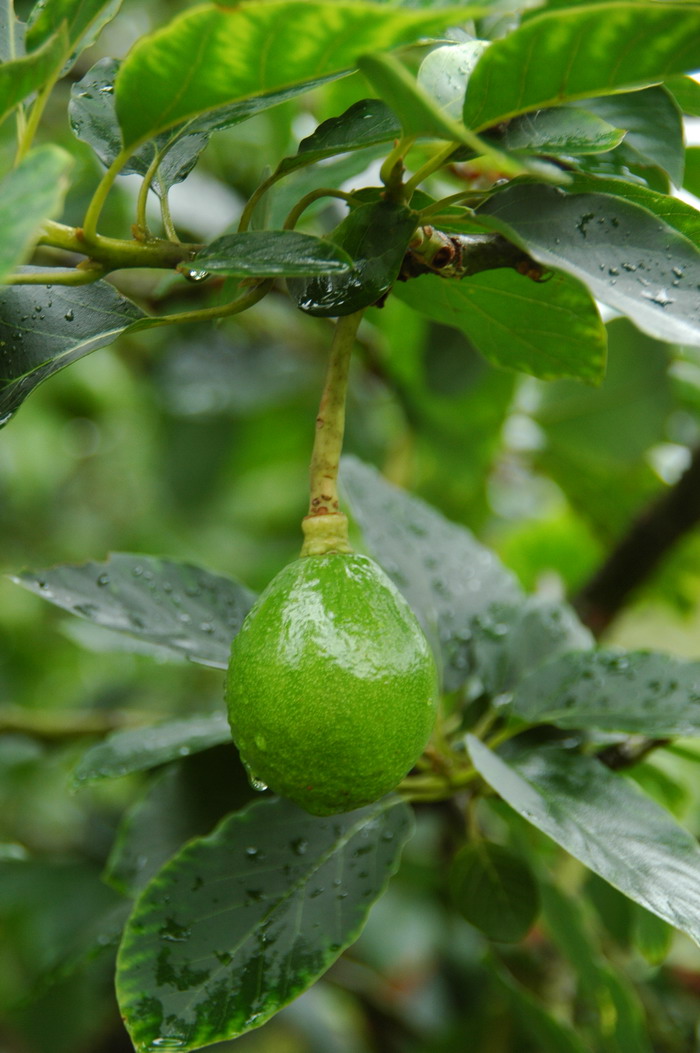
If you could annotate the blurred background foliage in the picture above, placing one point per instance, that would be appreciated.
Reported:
(194, 444)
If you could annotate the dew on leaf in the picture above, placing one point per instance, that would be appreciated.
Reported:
(103, 579)
(300, 846)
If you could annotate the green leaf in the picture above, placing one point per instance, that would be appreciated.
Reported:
(43, 329)
(365, 123)
(241, 922)
(549, 329)
(212, 57)
(185, 800)
(606, 823)
(445, 72)
(652, 936)
(84, 21)
(21, 76)
(446, 575)
(495, 891)
(635, 691)
(29, 194)
(653, 124)
(93, 120)
(138, 749)
(191, 611)
(581, 52)
(375, 235)
(12, 33)
(265, 253)
(677, 214)
(560, 131)
(510, 640)
(547, 1031)
(691, 180)
(627, 257)
(686, 92)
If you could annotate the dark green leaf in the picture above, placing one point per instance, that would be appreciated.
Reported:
(606, 823)
(44, 329)
(579, 53)
(375, 236)
(84, 20)
(138, 749)
(94, 120)
(192, 612)
(446, 575)
(212, 57)
(549, 329)
(686, 92)
(547, 1031)
(266, 253)
(185, 800)
(635, 691)
(21, 76)
(241, 922)
(628, 257)
(494, 890)
(510, 640)
(366, 123)
(653, 125)
(29, 194)
(560, 131)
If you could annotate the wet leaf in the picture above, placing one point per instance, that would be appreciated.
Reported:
(93, 120)
(83, 20)
(375, 235)
(366, 123)
(494, 889)
(233, 55)
(445, 72)
(627, 257)
(549, 329)
(581, 52)
(691, 179)
(607, 823)
(265, 253)
(192, 612)
(633, 691)
(12, 33)
(138, 749)
(29, 194)
(653, 124)
(561, 131)
(45, 328)
(510, 640)
(446, 575)
(241, 922)
(19, 77)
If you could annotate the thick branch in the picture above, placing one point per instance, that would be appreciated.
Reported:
(637, 555)
(461, 255)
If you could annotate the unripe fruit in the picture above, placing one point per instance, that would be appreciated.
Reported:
(331, 689)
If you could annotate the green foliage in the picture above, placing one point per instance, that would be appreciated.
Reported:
(486, 187)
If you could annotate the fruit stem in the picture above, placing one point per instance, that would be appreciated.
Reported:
(325, 527)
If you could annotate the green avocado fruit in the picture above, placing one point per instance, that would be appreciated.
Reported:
(332, 686)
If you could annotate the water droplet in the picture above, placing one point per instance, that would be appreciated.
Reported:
(257, 784)
(316, 892)
(613, 271)
(629, 267)
(86, 609)
(252, 852)
(256, 894)
(300, 846)
(261, 741)
(103, 579)
(678, 271)
(166, 1043)
(206, 627)
(173, 932)
(661, 297)
(196, 276)
(137, 571)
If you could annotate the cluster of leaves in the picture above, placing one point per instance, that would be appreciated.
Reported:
(222, 930)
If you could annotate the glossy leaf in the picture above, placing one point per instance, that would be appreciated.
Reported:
(268, 253)
(510, 640)
(43, 329)
(365, 123)
(29, 194)
(83, 19)
(185, 800)
(242, 921)
(446, 575)
(494, 889)
(138, 749)
(579, 53)
(93, 119)
(192, 612)
(375, 235)
(561, 131)
(676, 213)
(606, 823)
(21, 76)
(212, 57)
(445, 71)
(549, 329)
(653, 124)
(638, 692)
(629, 258)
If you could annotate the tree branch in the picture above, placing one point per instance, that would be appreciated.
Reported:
(634, 559)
